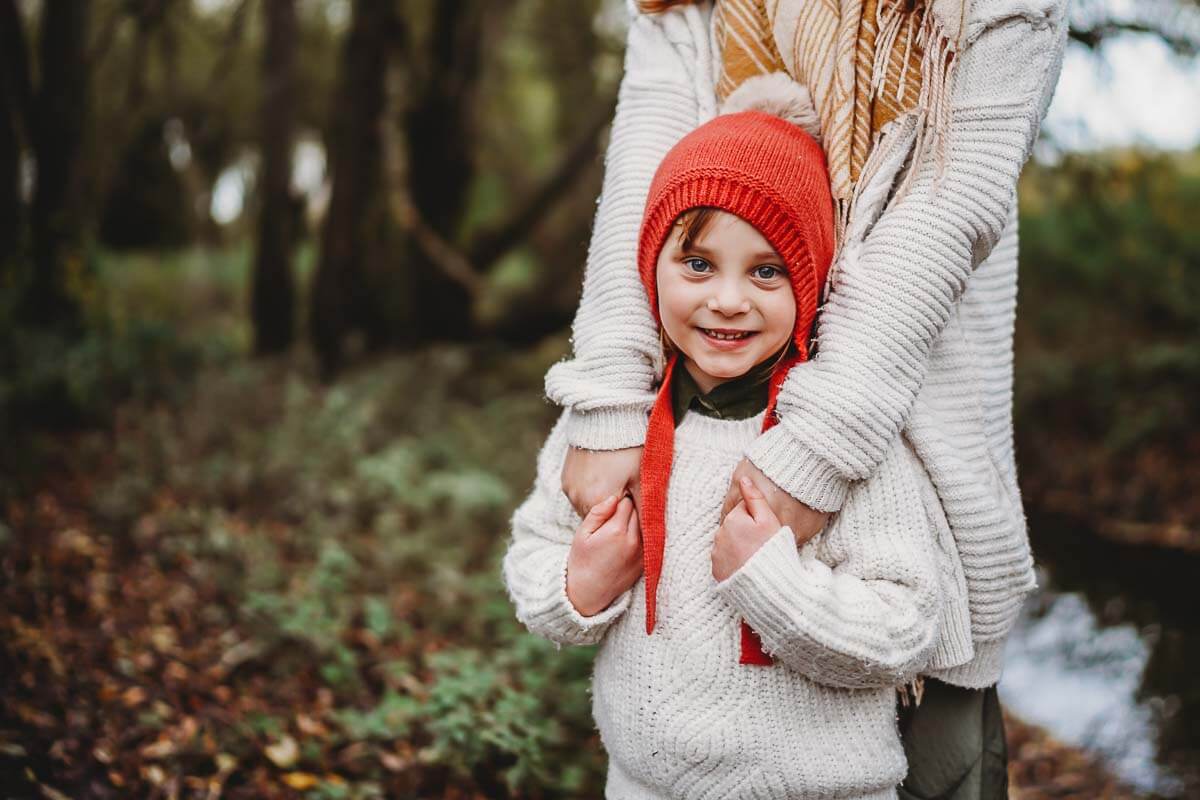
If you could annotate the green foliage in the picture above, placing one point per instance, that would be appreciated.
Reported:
(391, 718)
(1109, 308)
(148, 325)
(1108, 340)
(478, 722)
(356, 532)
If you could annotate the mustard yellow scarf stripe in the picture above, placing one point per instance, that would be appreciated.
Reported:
(863, 61)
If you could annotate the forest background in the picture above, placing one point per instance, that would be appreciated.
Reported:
(279, 281)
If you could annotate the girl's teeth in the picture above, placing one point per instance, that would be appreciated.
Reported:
(716, 335)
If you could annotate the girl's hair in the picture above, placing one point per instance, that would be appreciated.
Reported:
(657, 6)
(692, 224)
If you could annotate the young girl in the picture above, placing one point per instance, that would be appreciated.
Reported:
(736, 659)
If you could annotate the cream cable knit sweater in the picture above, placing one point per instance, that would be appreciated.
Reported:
(848, 617)
(917, 334)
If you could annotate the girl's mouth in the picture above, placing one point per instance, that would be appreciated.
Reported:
(726, 338)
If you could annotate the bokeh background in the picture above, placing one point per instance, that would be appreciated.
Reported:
(279, 281)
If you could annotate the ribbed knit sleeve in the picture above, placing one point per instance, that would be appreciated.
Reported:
(859, 606)
(608, 384)
(840, 411)
(535, 564)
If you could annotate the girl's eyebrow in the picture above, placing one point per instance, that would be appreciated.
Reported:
(700, 250)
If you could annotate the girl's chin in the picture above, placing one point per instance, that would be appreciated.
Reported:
(726, 368)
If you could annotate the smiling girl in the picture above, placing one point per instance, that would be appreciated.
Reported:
(737, 658)
(731, 278)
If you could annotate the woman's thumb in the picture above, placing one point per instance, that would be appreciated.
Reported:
(756, 501)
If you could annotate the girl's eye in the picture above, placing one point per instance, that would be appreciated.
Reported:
(696, 264)
(766, 272)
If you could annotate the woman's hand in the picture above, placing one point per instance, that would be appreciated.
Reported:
(590, 476)
(805, 522)
(605, 557)
(745, 528)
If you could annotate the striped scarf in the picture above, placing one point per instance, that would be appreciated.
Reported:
(865, 62)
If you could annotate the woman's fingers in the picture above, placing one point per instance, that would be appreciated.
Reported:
(620, 520)
(634, 526)
(633, 534)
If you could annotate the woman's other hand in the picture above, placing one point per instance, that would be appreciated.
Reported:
(590, 476)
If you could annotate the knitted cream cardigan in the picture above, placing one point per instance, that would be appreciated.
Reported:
(874, 599)
(917, 333)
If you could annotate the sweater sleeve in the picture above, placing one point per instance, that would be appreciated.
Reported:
(608, 384)
(859, 606)
(535, 564)
(840, 411)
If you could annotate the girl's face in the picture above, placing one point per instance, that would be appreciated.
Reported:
(725, 300)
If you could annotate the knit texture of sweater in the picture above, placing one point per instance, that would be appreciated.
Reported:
(916, 335)
(854, 613)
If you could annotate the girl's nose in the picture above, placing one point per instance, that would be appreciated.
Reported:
(729, 302)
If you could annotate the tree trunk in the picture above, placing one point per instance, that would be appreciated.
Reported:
(357, 215)
(11, 211)
(440, 132)
(272, 292)
(58, 213)
(14, 122)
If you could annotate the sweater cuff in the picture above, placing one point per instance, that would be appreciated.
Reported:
(981, 671)
(798, 470)
(574, 627)
(608, 428)
(752, 586)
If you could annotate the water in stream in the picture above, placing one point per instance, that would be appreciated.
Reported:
(1107, 656)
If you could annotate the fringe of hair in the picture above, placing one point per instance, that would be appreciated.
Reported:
(695, 222)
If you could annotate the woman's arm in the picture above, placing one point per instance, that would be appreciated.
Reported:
(858, 607)
(535, 565)
(608, 385)
(840, 411)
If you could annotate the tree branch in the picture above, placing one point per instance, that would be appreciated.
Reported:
(447, 258)
(489, 245)
(1092, 36)
(232, 41)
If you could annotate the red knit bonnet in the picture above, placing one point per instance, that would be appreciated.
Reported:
(772, 174)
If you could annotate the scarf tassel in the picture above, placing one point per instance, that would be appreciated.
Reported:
(897, 20)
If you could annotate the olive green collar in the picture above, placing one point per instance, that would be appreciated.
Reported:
(740, 398)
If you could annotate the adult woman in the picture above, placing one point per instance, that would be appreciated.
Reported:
(928, 110)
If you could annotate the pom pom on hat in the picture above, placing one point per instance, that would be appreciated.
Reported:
(779, 95)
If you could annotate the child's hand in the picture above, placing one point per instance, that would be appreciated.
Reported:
(605, 557)
(589, 476)
(745, 529)
(805, 522)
